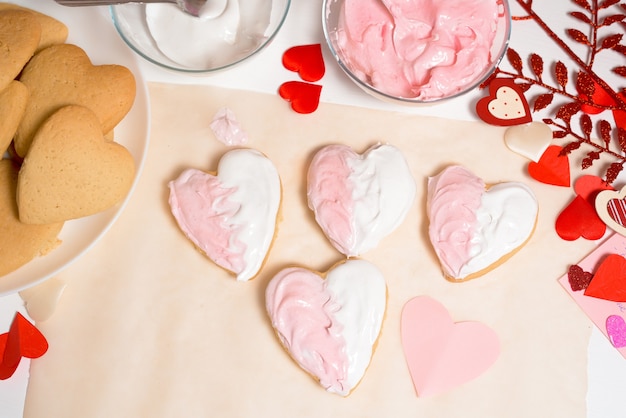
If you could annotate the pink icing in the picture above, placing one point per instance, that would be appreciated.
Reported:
(417, 48)
(301, 309)
(330, 195)
(454, 196)
(202, 209)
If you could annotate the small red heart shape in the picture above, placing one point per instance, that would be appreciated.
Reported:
(304, 97)
(306, 60)
(552, 167)
(22, 340)
(588, 187)
(578, 278)
(609, 281)
(579, 219)
(505, 105)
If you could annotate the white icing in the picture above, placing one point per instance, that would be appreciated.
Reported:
(359, 289)
(216, 38)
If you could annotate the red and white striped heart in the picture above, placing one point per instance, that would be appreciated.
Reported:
(611, 208)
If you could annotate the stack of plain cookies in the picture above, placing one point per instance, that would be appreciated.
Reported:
(58, 112)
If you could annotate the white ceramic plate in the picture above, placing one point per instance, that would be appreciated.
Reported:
(91, 29)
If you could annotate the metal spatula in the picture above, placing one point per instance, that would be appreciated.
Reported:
(188, 6)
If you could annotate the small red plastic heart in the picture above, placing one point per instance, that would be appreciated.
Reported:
(304, 97)
(552, 167)
(505, 105)
(579, 219)
(22, 340)
(578, 278)
(609, 281)
(306, 60)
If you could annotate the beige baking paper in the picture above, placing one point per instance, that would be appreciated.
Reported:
(149, 327)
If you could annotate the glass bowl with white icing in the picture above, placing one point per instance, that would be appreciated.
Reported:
(225, 33)
(417, 51)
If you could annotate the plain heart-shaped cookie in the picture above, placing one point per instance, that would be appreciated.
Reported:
(359, 199)
(610, 206)
(329, 325)
(474, 227)
(22, 340)
(71, 170)
(20, 242)
(20, 33)
(505, 105)
(306, 60)
(304, 97)
(609, 280)
(443, 354)
(230, 216)
(63, 75)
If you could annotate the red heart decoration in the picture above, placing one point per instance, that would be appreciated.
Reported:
(22, 340)
(552, 167)
(589, 186)
(579, 219)
(306, 60)
(505, 105)
(578, 278)
(609, 281)
(304, 97)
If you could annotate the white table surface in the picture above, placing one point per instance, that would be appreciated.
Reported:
(606, 367)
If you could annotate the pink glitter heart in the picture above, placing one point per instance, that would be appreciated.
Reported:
(616, 330)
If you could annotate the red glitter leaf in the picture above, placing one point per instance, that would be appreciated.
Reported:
(621, 138)
(568, 110)
(543, 101)
(620, 48)
(588, 161)
(559, 134)
(584, 4)
(514, 60)
(607, 3)
(612, 41)
(581, 16)
(586, 125)
(524, 86)
(605, 131)
(567, 149)
(613, 171)
(620, 71)
(578, 36)
(609, 20)
(536, 63)
(560, 73)
(585, 84)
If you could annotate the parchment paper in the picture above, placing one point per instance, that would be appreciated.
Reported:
(149, 327)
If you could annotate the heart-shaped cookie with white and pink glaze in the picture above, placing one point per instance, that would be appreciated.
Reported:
(230, 216)
(329, 323)
(474, 227)
(359, 199)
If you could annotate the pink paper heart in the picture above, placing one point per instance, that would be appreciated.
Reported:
(440, 353)
(329, 325)
(616, 330)
(359, 199)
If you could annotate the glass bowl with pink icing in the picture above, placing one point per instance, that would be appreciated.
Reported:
(417, 51)
(225, 33)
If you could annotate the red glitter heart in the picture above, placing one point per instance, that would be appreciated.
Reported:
(578, 278)
(306, 60)
(22, 340)
(505, 105)
(609, 281)
(304, 97)
(552, 167)
(579, 219)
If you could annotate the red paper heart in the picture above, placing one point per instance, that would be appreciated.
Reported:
(578, 278)
(505, 105)
(589, 186)
(22, 340)
(552, 167)
(306, 60)
(304, 97)
(609, 281)
(579, 219)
